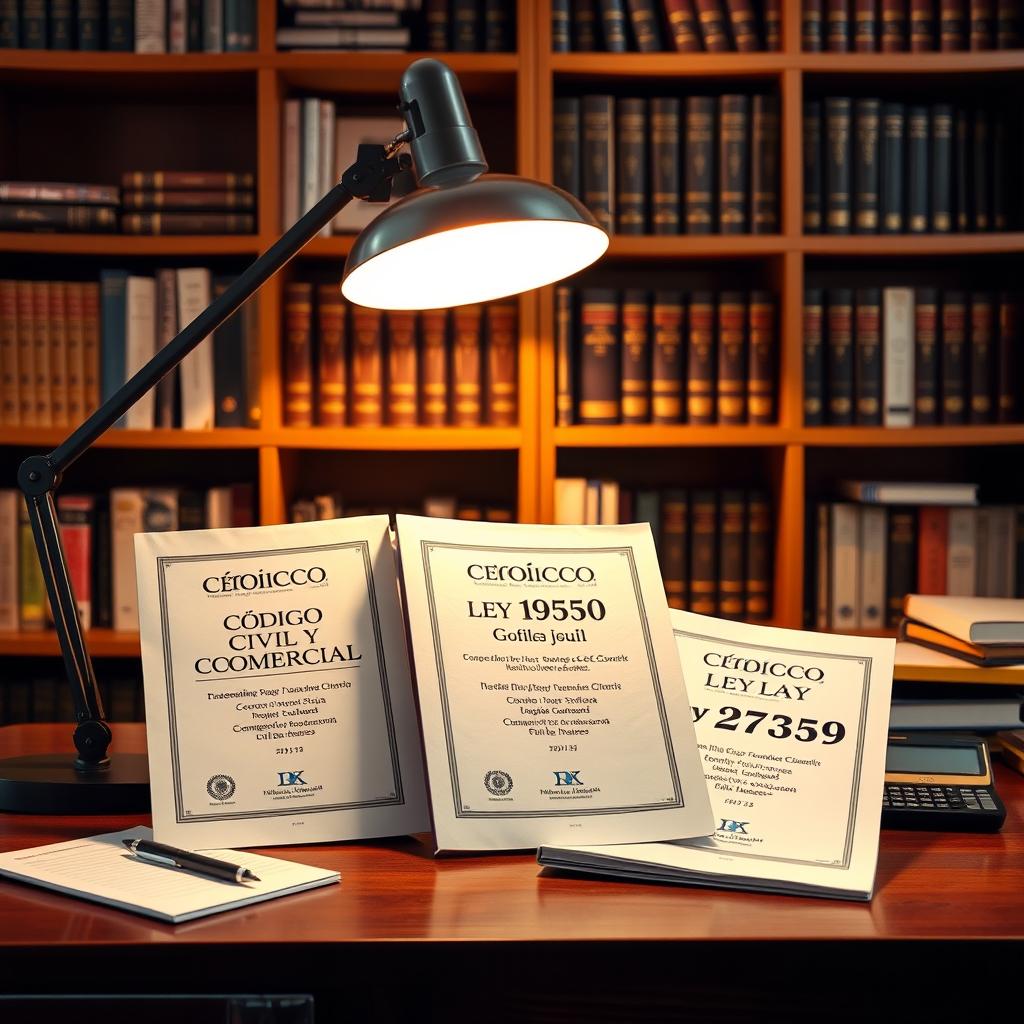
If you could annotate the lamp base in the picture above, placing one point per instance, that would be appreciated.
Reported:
(49, 784)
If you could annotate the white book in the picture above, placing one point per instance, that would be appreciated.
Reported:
(291, 163)
(10, 500)
(330, 38)
(127, 509)
(889, 492)
(177, 26)
(349, 133)
(977, 620)
(140, 345)
(609, 503)
(218, 508)
(213, 26)
(844, 566)
(196, 370)
(310, 170)
(442, 507)
(326, 176)
(983, 714)
(570, 501)
(898, 351)
(961, 552)
(150, 26)
(873, 537)
(592, 508)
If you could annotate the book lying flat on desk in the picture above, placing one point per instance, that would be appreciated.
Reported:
(100, 869)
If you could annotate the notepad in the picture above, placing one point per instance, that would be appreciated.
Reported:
(99, 868)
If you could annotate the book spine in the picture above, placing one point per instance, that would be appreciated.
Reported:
(298, 354)
(332, 357)
(584, 26)
(926, 357)
(466, 27)
(253, 393)
(704, 552)
(982, 358)
(127, 507)
(613, 22)
(41, 352)
(637, 372)
(599, 356)
(151, 26)
(631, 165)
(367, 367)
(120, 27)
(188, 200)
(731, 575)
(566, 143)
(140, 313)
(32, 25)
(871, 570)
(560, 21)
(758, 560)
(91, 345)
(40, 217)
(812, 35)
(700, 369)
(901, 563)
(402, 372)
(844, 566)
(172, 181)
(743, 26)
(814, 171)
(982, 25)
(866, 168)
(9, 502)
(898, 355)
(837, 165)
(893, 120)
(711, 20)
(75, 514)
(761, 360)
(10, 412)
(58, 355)
(868, 356)
(961, 555)
(564, 356)
(734, 165)
(187, 223)
(980, 169)
(699, 165)
(822, 567)
(644, 17)
(229, 367)
(954, 357)
(1008, 25)
(198, 396)
(239, 26)
(499, 26)
(814, 357)
(917, 169)
(194, 26)
(434, 366)
(952, 25)
(177, 26)
(961, 168)
(1007, 360)
(922, 26)
(213, 27)
(31, 588)
(865, 26)
(894, 26)
(732, 359)
(436, 17)
(598, 171)
(674, 543)
(667, 370)
(683, 28)
(764, 171)
(839, 319)
(999, 163)
(466, 365)
(941, 143)
(10, 29)
(62, 25)
(932, 540)
(25, 314)
(665, 173)
(772, 14)
(837, 34)
(502, 363)
(113, 351)
(166, 328)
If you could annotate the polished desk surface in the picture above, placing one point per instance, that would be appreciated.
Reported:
(929, 886)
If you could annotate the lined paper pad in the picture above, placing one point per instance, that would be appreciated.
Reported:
(100, 869)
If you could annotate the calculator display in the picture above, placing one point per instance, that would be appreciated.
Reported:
(933, 760)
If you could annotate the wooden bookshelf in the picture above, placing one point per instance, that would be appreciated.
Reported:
(522, 86)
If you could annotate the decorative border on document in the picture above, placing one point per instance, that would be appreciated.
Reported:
(675, 802)
(165, 631)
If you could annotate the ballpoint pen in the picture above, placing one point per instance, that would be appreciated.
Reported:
(172, 857)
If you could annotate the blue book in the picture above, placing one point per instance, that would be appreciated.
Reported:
(113, 334)
(647, 509)
(229, 366)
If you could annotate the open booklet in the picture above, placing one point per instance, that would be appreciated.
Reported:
(792, 728)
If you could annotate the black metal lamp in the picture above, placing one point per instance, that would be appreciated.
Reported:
(463, 236)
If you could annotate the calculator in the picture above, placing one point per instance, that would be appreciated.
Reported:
(940, 782)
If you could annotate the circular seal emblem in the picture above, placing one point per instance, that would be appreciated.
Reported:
(221, 787)
(498, 783)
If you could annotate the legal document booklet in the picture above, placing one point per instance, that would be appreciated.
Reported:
(792, 728)
(279, 706)
(551, 701)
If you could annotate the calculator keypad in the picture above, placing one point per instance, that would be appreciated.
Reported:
(944, 798)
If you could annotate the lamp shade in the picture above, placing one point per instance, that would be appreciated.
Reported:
(497, 235)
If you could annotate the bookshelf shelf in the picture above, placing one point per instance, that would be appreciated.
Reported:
(668, 65)
(129, 245)
(103, 643)
(643, 247)
(671, 436)
(911, 63)
(913, 245)
(882, 437)
(398, 438)
(41, 438)
(43, 62)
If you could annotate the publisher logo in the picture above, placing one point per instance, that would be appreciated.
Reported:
(291, 778)
(736, 827)
(498, 783)
(567, 779)
(221, 787)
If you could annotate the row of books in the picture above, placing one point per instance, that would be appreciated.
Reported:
(917, 26)
(665, 357)
(869, 557)
(647, 26)
(98, 532)
(140, 26)
(41, 696)
(872, 166)
(669, 165)
(904, 357)
(715, 547)
(351, 365)
(439, 25)
(443, 506)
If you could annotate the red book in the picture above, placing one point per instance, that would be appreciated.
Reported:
(243, 506)
(367, 367)
(932, 543)
(712, 26)
(682, 24)
(1006, 359)
(75, 513)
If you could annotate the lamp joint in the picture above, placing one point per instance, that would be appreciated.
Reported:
(37, 476)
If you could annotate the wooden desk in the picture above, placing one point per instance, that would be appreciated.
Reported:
(492, 921)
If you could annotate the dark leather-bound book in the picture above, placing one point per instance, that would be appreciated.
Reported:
(499, 26)
(1007, 359)
(926, 356)
(62, 25)
(837, 28)
(194, 24)
(120, 25)
(982, 35)
(102, 565)
(584, 29)
(467, 365)
(743, 25)
(941, 146)
(962, 169)
(1000, 170)
(764, 170)
(613, 25)
(893, 125)
(501, 366)
(599, 356)
(565, 131)
(1008, 29)
(839, 356)
(89, 27)
(758, 590)
(434, 368)
(894, 26)
(814, 172)
(772, 14)
(922, 26)
(561, 18)
(673, 548)
(332, 357)
(900, 562)
(732, 542)
(187, 200)
(32, 25)
(48, 217)
(699, 165)
(812, 33)
(867, 359)
(466, 26)
(174, 181)
(982, 358)
(646, 21)
(631, 165)
(402, 372)
(867, 117)
(731, 396)
(954, 357)
(711, 19)
(187, 223)
(761, 358)
(952, 25)
(733, 164)
(668, 314)
(704, 552)
(665, 176)
(298, 354)
(564, 357)
(636, 356)
(599, 159)
(814, 357)
(437, 17)
(367, 367)
(980, 166)
(10, 29)
(865, 26)
(682, 25)
(700, 359)
(838, 164)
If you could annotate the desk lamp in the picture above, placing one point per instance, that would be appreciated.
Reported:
(463, 236)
